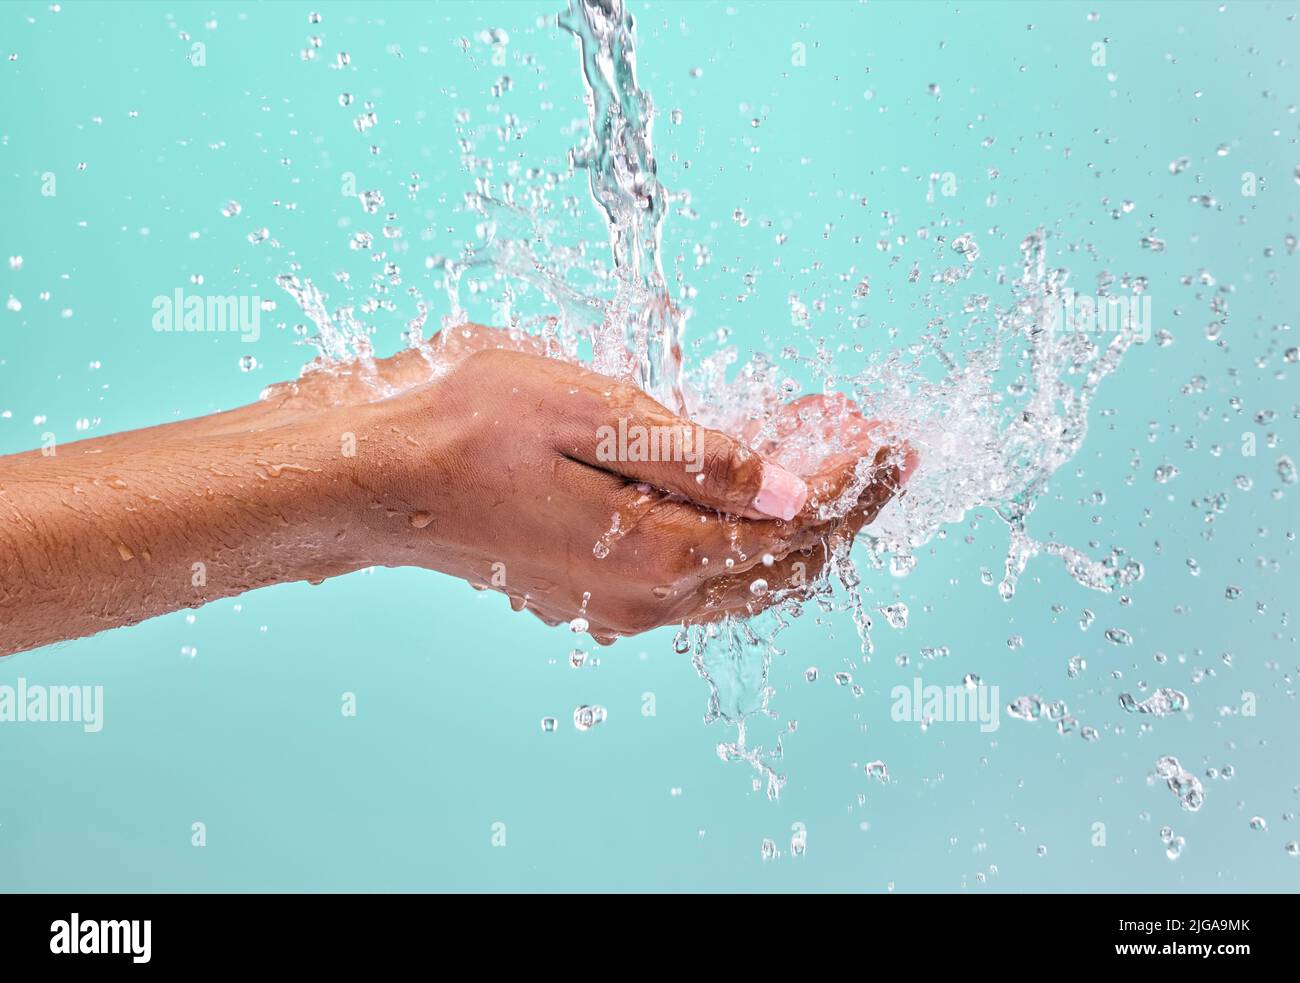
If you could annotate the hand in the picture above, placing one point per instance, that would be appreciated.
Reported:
(499, 472)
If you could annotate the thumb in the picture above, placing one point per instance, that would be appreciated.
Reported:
(623, 430)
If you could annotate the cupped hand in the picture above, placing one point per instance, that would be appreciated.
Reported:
(522, 473)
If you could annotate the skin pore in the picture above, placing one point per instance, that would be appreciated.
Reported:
(486, 465)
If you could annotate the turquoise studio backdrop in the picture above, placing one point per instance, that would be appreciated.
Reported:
(225, 760)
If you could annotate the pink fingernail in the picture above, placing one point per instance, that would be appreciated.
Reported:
(781, 494)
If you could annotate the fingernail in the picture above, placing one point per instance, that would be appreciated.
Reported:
(781, 494)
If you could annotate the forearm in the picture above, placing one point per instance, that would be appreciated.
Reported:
(111, 531)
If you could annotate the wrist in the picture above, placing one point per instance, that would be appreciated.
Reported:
(376, 479)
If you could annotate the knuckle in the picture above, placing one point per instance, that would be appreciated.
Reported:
(723, 464)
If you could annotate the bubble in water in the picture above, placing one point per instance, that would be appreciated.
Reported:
(768, 850)
(810, 674)
(549, 725)
(1258, 824)
(247, 363)
(877, 770)
(587, 717)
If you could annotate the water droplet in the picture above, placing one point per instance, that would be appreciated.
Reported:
(1286, 470)
(587, 717)
(1160, 703)
(895, 614)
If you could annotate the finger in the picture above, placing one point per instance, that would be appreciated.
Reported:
(697, 544)
(616, 426)
(750, 591)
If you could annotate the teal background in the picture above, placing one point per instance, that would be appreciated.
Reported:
(247, 736)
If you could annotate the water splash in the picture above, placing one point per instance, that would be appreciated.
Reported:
(995, 396)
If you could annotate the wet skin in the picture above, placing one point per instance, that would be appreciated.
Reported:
(485, 465)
